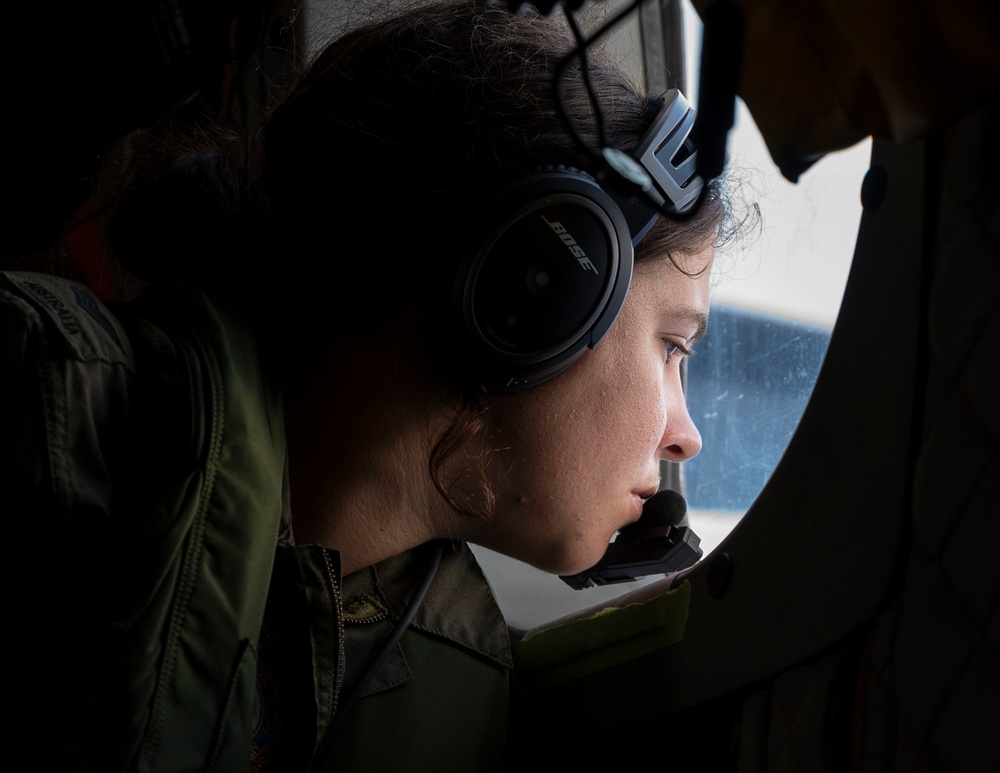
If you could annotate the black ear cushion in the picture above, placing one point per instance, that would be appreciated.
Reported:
(548, 278)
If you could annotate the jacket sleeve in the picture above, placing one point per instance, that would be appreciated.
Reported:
(65, 373)
(66, 367)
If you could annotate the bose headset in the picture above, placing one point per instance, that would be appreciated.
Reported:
(551, 275)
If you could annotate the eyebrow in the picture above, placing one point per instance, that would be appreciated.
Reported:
(698, 318)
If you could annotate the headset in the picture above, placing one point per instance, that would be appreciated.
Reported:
(550, 275)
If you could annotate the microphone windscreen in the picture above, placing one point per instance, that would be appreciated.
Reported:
(664, 508)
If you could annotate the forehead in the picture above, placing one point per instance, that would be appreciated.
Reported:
(694, 261)
(676, 276)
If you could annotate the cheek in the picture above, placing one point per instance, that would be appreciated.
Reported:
(637, 409)
(602, 418)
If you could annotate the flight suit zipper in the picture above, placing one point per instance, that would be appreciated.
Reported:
(338, 602)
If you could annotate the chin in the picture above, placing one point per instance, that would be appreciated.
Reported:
(572, 562)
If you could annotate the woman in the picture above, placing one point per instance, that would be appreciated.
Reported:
(348, 239)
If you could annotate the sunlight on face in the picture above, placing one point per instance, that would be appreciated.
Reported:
(580, 453)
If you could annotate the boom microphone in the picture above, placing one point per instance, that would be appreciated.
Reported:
(657, 543)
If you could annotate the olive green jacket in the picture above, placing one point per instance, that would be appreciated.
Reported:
(143, 475)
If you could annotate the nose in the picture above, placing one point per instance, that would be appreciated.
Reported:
(681, 439)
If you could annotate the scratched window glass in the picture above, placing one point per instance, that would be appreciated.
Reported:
(747, 389)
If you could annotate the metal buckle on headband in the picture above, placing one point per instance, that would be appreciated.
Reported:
(663, 167)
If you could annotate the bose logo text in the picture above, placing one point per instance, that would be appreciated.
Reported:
(575, 249)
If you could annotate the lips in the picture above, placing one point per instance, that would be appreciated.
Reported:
(647, 493)
(639, 497)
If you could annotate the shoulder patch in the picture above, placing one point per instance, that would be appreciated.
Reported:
(86, 300)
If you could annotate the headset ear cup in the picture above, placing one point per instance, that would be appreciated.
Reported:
(545, 281)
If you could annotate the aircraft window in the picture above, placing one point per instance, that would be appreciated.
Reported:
(775, 300)
(773, 308)
(747, 389)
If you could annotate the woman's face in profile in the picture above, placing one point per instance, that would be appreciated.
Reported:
(579, 454)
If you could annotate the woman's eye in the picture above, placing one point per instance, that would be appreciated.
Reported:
(674, 349)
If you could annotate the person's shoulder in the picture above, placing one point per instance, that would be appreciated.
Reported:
(62, 317)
